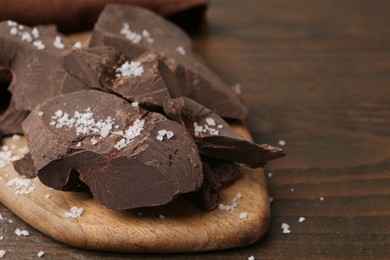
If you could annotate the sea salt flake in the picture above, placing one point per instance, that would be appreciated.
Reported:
(74, 212)
(130, 35)
(181, 50)
(237, 88)
(58, 43)
(39, 45)
(16, 138)
(251, 258)
(321, 198)
(47, 196)
(282, 142)
(40, 113)
(244, 215)
(77, 45)
(301, 219)
(286, 228)
(134, 104)
(161, 216)
(2, 253)
(210, 121)
(94, 141)
(40, 253)
(35, 32)
(13, 31)
(12, 23)
(133, 68)
(170, 134)
(26, 36)
(21, 232)
(159, 137)
(162, 132)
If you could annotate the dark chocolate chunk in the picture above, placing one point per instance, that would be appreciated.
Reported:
(215, 138)
(142, 78)
(135, 29)
(25, 166)
(127, 157)
(217, 175)
(34, 58)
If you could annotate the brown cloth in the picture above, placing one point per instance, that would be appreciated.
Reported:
(80, 15)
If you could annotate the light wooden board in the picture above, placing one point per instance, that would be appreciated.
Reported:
(185, 227)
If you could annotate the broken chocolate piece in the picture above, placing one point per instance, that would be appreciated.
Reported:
(215, 138)
(25, 166)
(127, 157)
(137, 29)
(142, 78)
(34, 57)
(217, 175)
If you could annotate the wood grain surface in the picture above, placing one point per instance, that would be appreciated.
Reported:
(315, 74)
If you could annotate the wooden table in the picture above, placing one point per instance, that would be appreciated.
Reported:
(315, 74)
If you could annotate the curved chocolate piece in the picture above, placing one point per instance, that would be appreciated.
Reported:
(34, 57)
(137, 29)
(127, 157)
(146, 82)
(215, 138)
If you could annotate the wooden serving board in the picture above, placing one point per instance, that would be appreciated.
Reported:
(185, 227)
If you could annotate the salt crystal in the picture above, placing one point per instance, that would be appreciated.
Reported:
(292, 189)
(24, 150)
(301, 219)
(1, 237)
(134, 104)
(210, 121)
(74, 212)
(22, 232)
(13, 31)
(286, 228)
(251, 258)
(2, 253)
(127, 69)
(269, 174)
(21, 27)
(282, 142)
(26, 36)
(12, 23)
(181, 50)
(35, 32)
(237, 88)
(16, 138)
(40, 113)
(170, 134)
(244, 215)
(58, 43)
(161, 216)
(47, 196)
(321, 198)
(159, 137)
(130, 35)
(93, 141)
(77, 45)
(162, 132)
(40, 253)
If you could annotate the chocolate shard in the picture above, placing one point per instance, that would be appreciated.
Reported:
(126, 156)
(34, 57)
(137, 29)
(217, 175)
(26, 166)
(215, 138)
(142, 78)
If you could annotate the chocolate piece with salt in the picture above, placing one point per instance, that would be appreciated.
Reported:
(126, 156)
(141, 78)
(215, 138)
(217, 175)
(138, 29)
(34, 58)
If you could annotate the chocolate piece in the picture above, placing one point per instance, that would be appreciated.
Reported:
(127, 157)
(217, 174)
(215, 138)
(34, 57)
(137, 29)
(25, 166)
(82, 14)
(142, 78)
